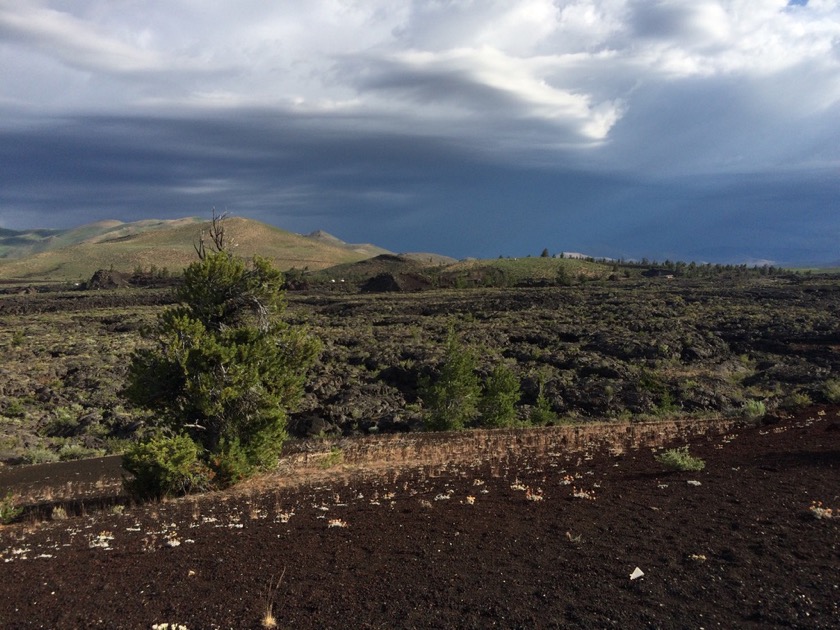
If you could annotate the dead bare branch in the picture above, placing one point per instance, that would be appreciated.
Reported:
(217, 235)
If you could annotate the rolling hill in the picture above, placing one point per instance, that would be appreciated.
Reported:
(75, 254)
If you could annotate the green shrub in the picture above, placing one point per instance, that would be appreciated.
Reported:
(753, 409)
(452, 399)
(15, 409)
(563, 278)
(231, 464)
(165, 465)
(70, 452)
(9, 511)
(334, 458)
(831, 390)
(795, 401)
(667, 406)
(501, 393)
(39, 455)
(680, 459)
(542, 414)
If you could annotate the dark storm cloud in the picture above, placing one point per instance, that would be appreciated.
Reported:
(404, 192)
(117, 167)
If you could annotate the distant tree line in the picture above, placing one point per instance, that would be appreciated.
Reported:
(701, 270)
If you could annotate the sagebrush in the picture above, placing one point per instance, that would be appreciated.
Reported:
(680, 459)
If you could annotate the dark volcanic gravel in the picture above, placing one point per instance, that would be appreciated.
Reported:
(504, 545)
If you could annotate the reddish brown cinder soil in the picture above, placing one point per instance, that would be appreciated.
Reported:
(495, 544)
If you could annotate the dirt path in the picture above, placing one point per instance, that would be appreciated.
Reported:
(33, 480)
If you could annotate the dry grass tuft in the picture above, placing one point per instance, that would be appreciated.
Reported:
(268, 618)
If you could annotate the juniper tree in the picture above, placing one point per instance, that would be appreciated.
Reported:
(498, 402)
(224, 367)
(452, 399)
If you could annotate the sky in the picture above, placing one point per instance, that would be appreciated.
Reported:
(705, 130)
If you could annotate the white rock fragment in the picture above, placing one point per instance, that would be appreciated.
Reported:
(693, 482)
(637, 573)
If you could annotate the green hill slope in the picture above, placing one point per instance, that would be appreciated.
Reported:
(527, 270)
(74, 255)
(417, 269)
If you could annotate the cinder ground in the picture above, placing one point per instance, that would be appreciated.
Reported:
(523, 543)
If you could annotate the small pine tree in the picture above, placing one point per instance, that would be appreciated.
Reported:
(501, 393)
(545, 253)
(224, 367)
(542, 413)
(452, 399)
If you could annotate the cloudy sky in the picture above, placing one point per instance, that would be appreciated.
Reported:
(704, 130)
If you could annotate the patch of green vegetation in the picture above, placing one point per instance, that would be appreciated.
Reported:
(831, 390)
(816, 270)
(70, 452)
(680, 459)
(166, 465)
(15, 408)
(116, 446)
(452, 399)
(753, 409)
(497, 407)
(9, 510)
(223, 371)
(39, 455)
(517, 271)
(542, 414)
(334, 458)
(796, 400)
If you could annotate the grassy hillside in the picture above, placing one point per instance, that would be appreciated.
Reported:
(169, 244)
(442, 272)
(519, 270)
(14, 244)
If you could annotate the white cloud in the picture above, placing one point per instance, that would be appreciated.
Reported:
(674, 39)
(572, 68)
(74, 41)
